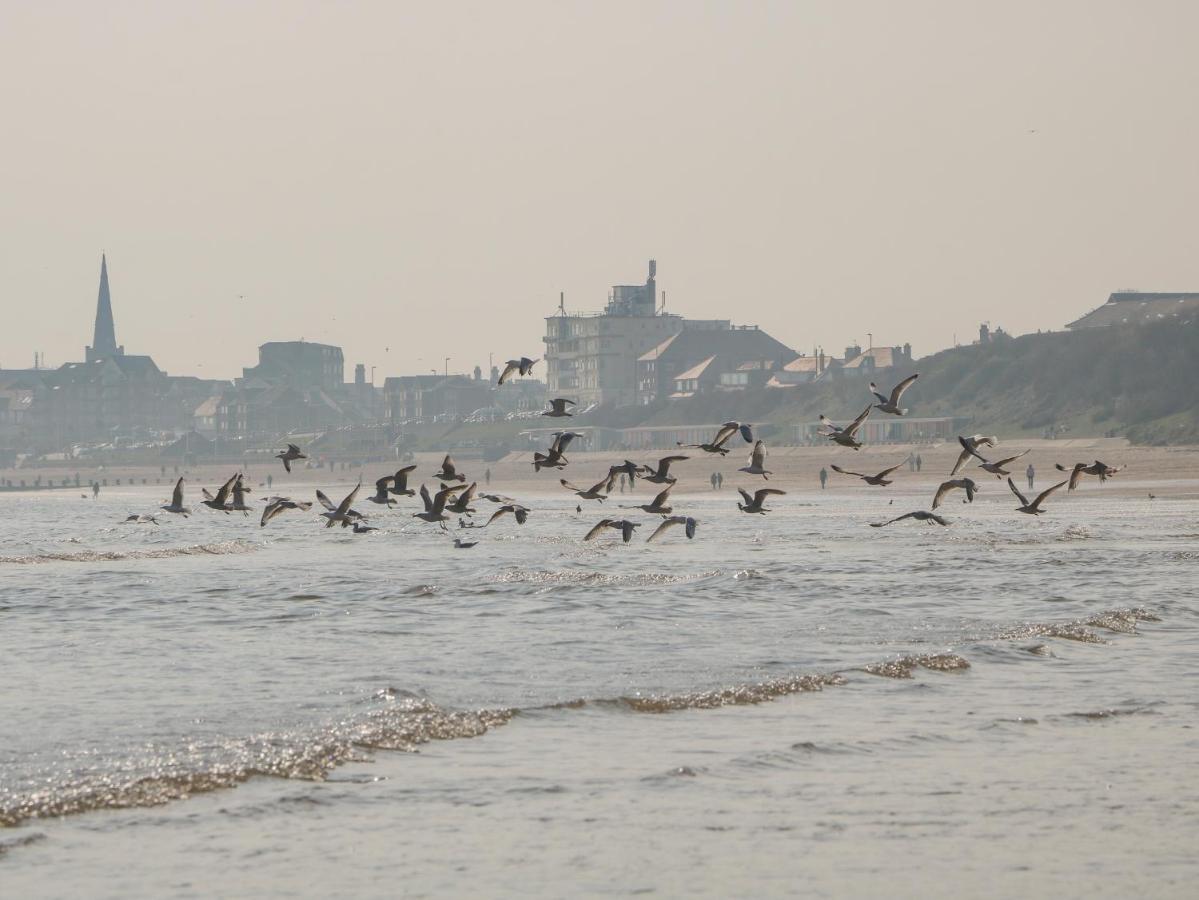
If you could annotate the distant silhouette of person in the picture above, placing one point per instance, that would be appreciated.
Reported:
(919, 462)
(713, 480)
(823, 477)
(270, 480)
(1031, 473)
(487, 476)
(719, 482)
(912, 461)
(95, 489)
(622, 481)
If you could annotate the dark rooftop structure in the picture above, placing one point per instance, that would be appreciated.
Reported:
(1139, 308)
(104, 338)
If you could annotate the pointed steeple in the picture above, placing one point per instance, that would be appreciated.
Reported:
(104, 339)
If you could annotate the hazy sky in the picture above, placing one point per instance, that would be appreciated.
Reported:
(419, 180)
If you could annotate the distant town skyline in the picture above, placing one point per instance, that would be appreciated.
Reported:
(411, 183)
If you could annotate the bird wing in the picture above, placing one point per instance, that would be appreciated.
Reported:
(292, 448)
(963, 457)
(563, 441)
(757, 457)
(177, 496)
(513, 365)
(425, 498)
(885, 472)
(747, 432)
(666, 523)
(898, 390)
(665, 461)
(347, 501)
(598, 527)
(468, 495)
(272, 510)
(570, 487)
(401, 478)
(970, 447)
(1076, 474)
(1045, 493)
(1015, 490)
(325, 501)
(748, 499)
(1011, 459)
(874, 390)
(892, 521)
(626, 529)
(828, 423)
(222, 496)
(837, 468)
(726, 431)
(381, 485)
(663, 496)
(447, 466)
(605, 486)
(852, 428)
(944, 489)
(762, 493)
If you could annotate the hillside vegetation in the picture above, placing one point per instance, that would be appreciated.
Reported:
(1136, 381)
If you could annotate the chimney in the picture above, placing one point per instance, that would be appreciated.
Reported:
(360, 374)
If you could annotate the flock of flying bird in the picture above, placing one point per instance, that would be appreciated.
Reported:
(455, 497)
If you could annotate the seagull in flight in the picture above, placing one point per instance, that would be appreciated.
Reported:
(755, 503)
(1103, 470)
(449, 471)
(919, 515)
(555, 458)
(434, 510)
(998, 468)
(221, 499)
(520, 513)
(879, 480)
(658, 505)
(757, 461)
(329, 505)
(382, 495)
(276, 505)
(970, 447)
(557, 408)
(661, 475)
(891, 404)
(595, 492)
(670, 522)
(289, 455)
(847, 436)
(726, 431)
(400, 482)
(624, 526)
(966, 484)
(461, 503)
(1034, 508)
(523, 366)
(176, 505)
(342, 512)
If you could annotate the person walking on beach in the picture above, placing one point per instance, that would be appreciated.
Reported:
(95, 489)
(919, 462)
(1031, 473)
(912, 461)
(270, 480)
(719, 482)
(823, 477)
(487, 477)
(713, 480)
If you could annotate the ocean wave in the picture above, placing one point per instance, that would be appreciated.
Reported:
(905, 665)
(168, 774)
(1122, 621)
(220, 548)
(590, 579)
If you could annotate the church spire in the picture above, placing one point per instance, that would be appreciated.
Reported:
(104, 340)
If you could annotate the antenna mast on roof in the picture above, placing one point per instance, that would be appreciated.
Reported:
(561, 303)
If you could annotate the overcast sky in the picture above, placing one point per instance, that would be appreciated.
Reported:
(419, 180)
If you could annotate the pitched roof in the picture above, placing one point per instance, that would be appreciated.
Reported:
(884, 358)
(659, 350)
(695, 371)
